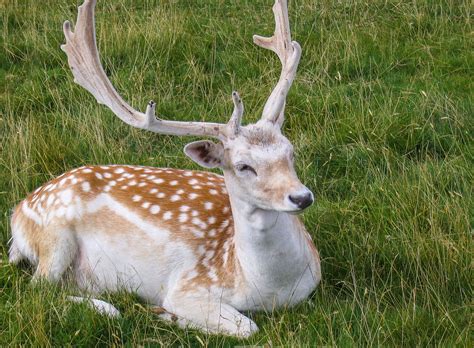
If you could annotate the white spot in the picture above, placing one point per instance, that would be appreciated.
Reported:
(61, 183)
(124, 187)
(193, 182)
(180, 192)
(167, 215)
(136, 198)
(193, 195)
(86, 187)
(104, 167)
(87, 170)
(183, 217)
(121, 179)
(155, 209)
(161, 195)
(107, 188)
(225, 210)
(212, 275)
(119, 171)
(175, 198)
(174, 182)
(142, 184)
(194, 213)
(50, 200)
(74, 180)
(213, 192)
(197, 187)
(132, 183)
(146, 205)
(209, 254)
(208, 205)
(201, 250)
(184, 208)
(211, 220)
(225, 223)
(99, 176)
(66, 196)
(212, 233)
(188, 173)
(153, 191)
(198, 222)
(198, 233)
(158, 181)
(107, 175)
(151, 177)
(112, 182)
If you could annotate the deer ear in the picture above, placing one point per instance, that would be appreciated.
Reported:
(205, 153)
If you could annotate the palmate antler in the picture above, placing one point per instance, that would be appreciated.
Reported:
(83, 59)
(289, 53)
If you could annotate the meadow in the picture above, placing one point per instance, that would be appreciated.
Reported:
(381, 117)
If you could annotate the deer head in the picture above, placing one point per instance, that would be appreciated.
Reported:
(257, 159)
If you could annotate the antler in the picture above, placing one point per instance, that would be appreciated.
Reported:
(83, 59)
(289, 53)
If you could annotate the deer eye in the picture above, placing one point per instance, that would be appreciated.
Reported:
(242, 167)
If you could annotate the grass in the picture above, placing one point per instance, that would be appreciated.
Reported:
(381, 118)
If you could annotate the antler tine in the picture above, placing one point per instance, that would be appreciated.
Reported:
(289, 53)
(236, 119)
(83, 59)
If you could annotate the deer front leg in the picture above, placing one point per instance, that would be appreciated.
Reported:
(202, 312)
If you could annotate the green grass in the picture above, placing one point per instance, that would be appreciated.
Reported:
(381, 116)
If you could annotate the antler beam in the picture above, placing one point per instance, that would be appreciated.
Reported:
(83, 59)
(289, 53)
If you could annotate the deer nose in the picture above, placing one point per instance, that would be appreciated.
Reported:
(302, 201)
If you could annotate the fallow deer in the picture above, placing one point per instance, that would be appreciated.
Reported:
(201, 246)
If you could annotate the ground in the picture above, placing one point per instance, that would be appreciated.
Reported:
(382, 122)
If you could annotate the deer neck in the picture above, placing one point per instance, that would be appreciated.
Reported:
(269, 245)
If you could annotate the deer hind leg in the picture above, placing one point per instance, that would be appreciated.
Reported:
(199, 311)
(14, 254)
(56, 249)
(100, 306)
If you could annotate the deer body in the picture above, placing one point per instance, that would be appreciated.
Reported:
(199, 245)
(166, 235)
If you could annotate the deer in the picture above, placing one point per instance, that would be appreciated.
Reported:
(199, 248)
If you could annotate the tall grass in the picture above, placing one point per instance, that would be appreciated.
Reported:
(382, 122)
